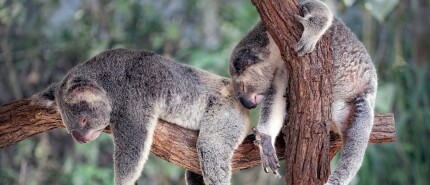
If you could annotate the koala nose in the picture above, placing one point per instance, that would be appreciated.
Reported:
(78, 137)
(246, 103)
(250, 101)
(83, 122)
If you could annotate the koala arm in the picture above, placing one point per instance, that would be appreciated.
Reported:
(216, 142)
(132, 138)
(316, 20)
(272, 116)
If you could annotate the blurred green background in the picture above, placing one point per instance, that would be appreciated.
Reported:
(41, 40)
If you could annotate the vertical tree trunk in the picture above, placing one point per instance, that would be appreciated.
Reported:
(307, 131)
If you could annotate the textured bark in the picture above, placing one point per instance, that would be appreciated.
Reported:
(307, 141)
(21, 119)
(304, 141)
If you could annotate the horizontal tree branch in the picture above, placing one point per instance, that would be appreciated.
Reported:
(22, 119)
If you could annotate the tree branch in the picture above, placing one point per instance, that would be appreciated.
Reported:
(22, 119)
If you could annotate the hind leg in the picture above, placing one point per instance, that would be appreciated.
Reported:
(356, 136)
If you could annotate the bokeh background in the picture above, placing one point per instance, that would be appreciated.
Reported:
(41, 40)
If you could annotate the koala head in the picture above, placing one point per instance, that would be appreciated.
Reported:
(252, 66)
(84, 107)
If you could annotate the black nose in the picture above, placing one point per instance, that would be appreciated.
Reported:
(246, 103)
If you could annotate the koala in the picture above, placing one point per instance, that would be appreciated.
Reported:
(129, 90)
(259, 76)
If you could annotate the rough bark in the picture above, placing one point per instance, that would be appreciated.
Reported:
(307, 141)
(307, 147)
(21, 119)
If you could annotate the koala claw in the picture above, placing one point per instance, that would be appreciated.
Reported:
(305, 11)
(299, 46)
(304, 47)
(303, 18)
(308, 40)
(267, 152)
(299, 18)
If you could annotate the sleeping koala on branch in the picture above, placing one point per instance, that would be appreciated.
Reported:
(130, 90)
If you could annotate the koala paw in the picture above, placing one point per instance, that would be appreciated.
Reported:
(267, 152)
(304, 46)
(306, 43)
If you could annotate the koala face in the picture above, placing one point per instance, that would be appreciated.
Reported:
(85, 112)
(250, 86)
(252, 66)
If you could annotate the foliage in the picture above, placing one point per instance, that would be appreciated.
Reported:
(41, 40)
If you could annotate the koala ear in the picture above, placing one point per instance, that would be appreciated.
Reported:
(243, 59)
(46, 97)
(81, 89)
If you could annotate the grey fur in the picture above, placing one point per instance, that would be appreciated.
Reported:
(130, 90)
(315, 24)
(354, 83)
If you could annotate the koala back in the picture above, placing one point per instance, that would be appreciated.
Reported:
(354, 72)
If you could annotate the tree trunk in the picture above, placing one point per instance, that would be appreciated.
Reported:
(307, 131)
(22, 119)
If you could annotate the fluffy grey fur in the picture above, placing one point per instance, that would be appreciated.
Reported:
(315, 25)
(130, 90)
(255, 66)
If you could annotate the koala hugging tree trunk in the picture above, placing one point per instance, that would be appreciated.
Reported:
(307, 133)
(306, 143)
